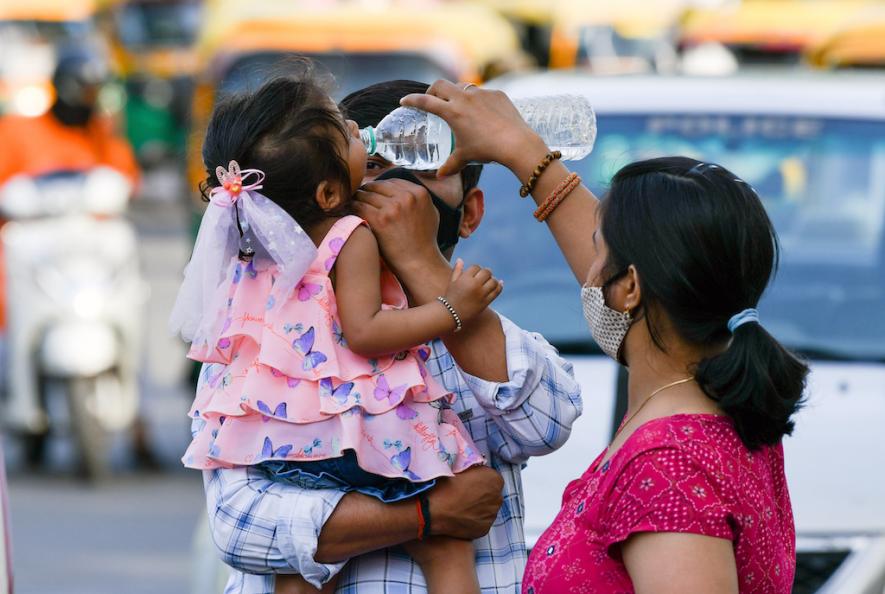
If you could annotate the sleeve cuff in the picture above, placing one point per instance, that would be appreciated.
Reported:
(523, 350)
(298, 532)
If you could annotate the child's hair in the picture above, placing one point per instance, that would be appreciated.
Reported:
(291, 130)
(705, 250)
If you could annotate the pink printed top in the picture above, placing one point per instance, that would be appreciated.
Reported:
(685, 473)
(281, 384)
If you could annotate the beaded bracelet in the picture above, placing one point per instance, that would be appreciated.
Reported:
(556, 197)
(452, 311)
(528, 186)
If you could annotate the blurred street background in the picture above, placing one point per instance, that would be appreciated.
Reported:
(102, 104)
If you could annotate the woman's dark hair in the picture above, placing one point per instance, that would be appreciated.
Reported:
(368, 106)
(705, 250)
(289, 129)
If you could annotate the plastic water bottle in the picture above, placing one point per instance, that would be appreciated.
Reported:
(415, 139)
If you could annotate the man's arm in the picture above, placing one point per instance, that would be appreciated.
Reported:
(405, 222)
(535, 408)
(260, 526)
(463, 507)
(263, 527)
(517, 376)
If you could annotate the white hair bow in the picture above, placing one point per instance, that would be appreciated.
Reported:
(236, 214)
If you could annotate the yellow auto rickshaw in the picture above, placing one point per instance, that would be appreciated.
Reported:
(769, 31)
(243, 43)
(30, 33)
(153, 44)
(615, 38)
(858, 45)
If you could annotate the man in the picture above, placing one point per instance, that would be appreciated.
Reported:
(516, 396)
(72, 135)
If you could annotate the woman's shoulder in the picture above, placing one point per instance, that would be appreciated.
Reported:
(677, 443)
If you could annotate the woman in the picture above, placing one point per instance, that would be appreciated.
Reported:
(690, 496)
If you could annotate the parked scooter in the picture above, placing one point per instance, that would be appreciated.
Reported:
(74, 307)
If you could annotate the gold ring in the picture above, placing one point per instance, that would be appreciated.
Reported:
(468, 85)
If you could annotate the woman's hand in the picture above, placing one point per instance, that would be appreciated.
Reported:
(471, 291)
(466, 505)
(486, 124)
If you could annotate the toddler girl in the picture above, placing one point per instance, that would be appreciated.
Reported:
(314, 363)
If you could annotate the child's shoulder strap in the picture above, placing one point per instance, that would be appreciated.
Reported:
(335, 239)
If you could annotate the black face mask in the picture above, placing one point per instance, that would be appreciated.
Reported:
(72, 115)
(449, 218)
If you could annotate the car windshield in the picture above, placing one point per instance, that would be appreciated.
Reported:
(159, 24)
(351, 71)
(51, 32)
(822, 182)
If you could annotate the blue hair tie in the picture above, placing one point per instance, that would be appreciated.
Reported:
(744, 317)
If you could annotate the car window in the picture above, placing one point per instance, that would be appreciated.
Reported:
(822, 182)
(159, 24)
(55, 32)
(351, 71)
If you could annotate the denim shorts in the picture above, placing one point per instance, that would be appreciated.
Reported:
(343, 474)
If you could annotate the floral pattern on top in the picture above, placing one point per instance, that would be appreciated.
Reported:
(281, 384)
(685, 473)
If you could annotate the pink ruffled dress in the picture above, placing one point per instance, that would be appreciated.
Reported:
(281, 384)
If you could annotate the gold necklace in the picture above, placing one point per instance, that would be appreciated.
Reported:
(644, 402)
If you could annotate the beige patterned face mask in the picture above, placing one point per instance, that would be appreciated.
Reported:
(609, 327)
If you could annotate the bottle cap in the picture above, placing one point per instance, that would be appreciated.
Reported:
(367, 135)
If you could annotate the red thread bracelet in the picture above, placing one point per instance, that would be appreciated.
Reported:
(421, 521)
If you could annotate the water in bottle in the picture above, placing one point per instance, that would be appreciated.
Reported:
(408, 137)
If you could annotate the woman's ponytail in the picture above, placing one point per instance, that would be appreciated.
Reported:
(757, 382)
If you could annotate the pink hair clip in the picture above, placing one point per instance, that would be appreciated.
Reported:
(233, 182)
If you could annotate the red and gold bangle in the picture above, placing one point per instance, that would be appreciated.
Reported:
(555, 198)
(528, 186)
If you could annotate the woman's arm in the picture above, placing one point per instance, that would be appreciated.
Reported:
(489, 128)
(371, 331)
(680, 563)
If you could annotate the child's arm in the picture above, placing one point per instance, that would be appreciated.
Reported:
(371, 331)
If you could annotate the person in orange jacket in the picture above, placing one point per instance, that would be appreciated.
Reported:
(71, 136)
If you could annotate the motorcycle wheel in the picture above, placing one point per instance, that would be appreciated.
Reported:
(91, 436)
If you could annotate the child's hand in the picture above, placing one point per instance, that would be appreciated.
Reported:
(471, 291)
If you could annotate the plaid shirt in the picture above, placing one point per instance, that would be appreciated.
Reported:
(262, 527)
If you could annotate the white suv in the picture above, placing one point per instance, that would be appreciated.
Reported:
(814, 148)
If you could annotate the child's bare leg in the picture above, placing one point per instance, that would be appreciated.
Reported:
(295, 584)
(449, 564)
